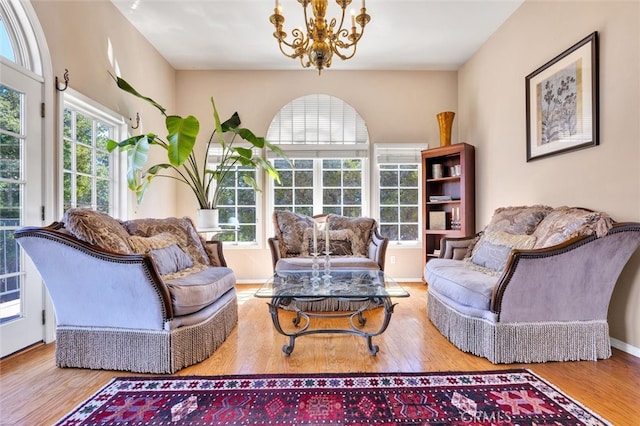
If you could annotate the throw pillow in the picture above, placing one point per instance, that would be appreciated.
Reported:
(339, 243)
(362, 228)
(289, 228)
(514, 220)
(170, 259)
(565, 223)
(493, 249)
(97, 228)
(517, 220)
(142, 245)
(182, 229)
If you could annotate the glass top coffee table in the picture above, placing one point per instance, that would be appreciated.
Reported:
(373, 289)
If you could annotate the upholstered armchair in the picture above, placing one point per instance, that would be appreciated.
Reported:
(355, 243)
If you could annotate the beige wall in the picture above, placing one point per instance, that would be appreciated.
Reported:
(397, 107)
(491, 95)
(91, 39)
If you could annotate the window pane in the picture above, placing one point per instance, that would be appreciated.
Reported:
(331, 178)
(409, 214)
(10, 157)
(304, 196)
(6, 48)
(67, 124)
(331, 197)
(408, 232)
(352, 178)
(247, 215)
(102, 135)
(351, 212)
(84, 129)
(331, 164)
(389, 214)
(67, 185)
(83, 191)
(283, 197)
(247, 233)
(409, 196)
(11, 111)
(67, 153)
(103, 165)
(304, 178)
(10, 202)
(388, 178)
(352, 197)
(389, 231)
(286, 178)
(389, 197)
(409, 178)
(103, 195)
(246, 197)
(84, 162)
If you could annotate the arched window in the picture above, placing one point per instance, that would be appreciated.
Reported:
(328, 145)
(18, 39)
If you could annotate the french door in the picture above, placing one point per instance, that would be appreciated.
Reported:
(21, 200)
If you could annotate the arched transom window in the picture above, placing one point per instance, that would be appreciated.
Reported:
(328, 145)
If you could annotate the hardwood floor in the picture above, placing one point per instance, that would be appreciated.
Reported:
(35, 392)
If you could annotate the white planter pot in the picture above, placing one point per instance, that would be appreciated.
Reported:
(207, 218)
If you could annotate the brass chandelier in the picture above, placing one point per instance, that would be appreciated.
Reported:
(322, 39)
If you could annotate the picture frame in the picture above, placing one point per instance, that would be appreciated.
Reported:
(562, 112)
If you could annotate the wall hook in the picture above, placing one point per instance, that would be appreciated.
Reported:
(137, 121)
(66, 81)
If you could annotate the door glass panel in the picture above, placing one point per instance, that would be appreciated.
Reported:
(11, 188)
(9, 157)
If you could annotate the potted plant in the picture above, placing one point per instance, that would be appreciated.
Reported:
(182, 133)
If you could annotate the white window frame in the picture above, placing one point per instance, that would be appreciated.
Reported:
(81, 103)
(320, 152)
(397, 153)
(213, 158)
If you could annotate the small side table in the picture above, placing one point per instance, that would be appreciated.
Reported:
(213, 234)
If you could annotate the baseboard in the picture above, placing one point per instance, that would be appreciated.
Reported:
(625, 347)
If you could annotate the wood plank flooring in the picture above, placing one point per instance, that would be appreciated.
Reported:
(33, 391)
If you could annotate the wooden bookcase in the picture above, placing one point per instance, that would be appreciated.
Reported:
(459, 187)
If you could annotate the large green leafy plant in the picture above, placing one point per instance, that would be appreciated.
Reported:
(182, 133)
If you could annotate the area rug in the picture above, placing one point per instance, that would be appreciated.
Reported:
(507, 397)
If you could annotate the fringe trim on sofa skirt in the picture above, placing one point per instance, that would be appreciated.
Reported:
(195, 343)
(144, 351)
(505, 343)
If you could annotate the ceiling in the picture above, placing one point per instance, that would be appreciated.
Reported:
(237, 34)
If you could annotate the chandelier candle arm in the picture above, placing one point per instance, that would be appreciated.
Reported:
(322, 39)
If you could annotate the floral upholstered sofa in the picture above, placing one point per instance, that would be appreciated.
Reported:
(533, 286)
(354, 242)
(144, 295)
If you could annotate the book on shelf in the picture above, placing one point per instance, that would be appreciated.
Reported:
(440, 198)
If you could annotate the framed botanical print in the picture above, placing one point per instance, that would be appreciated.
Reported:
(562, 102)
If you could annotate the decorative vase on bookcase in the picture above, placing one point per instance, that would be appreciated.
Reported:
(445, 122)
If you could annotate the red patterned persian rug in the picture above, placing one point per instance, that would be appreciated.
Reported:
(507, 397)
